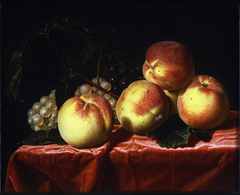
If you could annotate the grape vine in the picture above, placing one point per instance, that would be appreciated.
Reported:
(107, 46)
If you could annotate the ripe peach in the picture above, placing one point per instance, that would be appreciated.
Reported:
(204, 103)
(85, 121)
(172, 99)
(142, 107)
(169, 64)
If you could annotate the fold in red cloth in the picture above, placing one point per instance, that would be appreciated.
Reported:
(130, 163)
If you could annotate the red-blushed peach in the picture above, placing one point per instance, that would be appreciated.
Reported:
(142, 107)
(85, 121)
(204, 103)
(172, 99)
(169, 64)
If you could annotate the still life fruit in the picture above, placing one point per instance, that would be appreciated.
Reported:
(142, 107)
(85, 121)
(169, 64)
(44, 114)
(203, 103)
(141, 98)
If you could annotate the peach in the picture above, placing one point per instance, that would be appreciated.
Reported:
(172, 99)
(142, 107)
(204, 103)
(85, 121)
(169, 64)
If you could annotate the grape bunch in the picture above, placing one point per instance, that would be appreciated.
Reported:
(121, 74)
(116, 77)
(44, 114)
(88, 89)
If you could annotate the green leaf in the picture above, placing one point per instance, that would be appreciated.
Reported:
(202, 134)
(71, 27)
(69, 57)
(170, 139)
(88, 52)
(80, 54)
(66, 88)
(93, 42)
(175, 133)
(112, 46)
(17, 61)
(44, 137)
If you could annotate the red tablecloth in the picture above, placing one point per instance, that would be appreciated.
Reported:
(129, 162)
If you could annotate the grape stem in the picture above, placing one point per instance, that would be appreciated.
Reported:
(81, 76)
(95, 85)
(98, 67)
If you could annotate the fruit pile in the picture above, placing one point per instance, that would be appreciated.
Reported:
(44, 114)
(88, 89)
(201, 101)
(170, 86)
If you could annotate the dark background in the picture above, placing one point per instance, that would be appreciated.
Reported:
(209, 31)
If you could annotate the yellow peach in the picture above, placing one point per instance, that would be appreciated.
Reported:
(85, 121)
(172, 99)
(142, 107)
(204, 103)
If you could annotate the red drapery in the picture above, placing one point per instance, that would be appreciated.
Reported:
(130, 163)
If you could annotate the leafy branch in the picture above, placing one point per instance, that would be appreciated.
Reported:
(91, 43)
(81, 76)
(17, 61)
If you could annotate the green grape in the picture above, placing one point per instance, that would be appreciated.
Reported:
(113, 103)
(52, 94)
(54, 116)
(51, 104)
(94, 89)
(101, 79)
(37, 120)
(51, 125)
(106, 85)
(37, 106)
(40, 113)
(85, 89)
(30, 121)
(45, 112)
(78, 92)
(44, 99)
(101, 93)
(31, 112)
(42, 127)
(107, 96)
